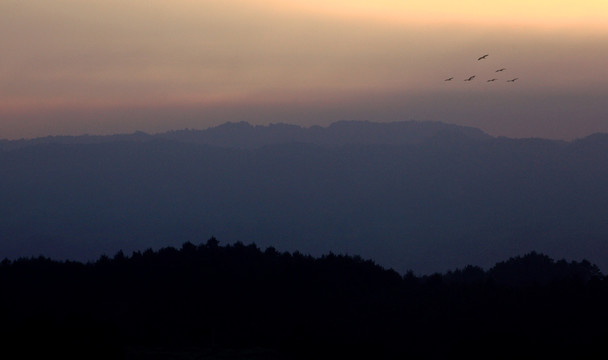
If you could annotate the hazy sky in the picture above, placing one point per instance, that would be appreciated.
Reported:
(109, 66)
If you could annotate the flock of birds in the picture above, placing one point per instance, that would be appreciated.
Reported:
(470, 78)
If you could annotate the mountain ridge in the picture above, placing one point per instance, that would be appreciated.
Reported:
(247, 136)
(244, 135)
(440, 203)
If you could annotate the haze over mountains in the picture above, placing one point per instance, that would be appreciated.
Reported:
(425, 196)
(242, 135)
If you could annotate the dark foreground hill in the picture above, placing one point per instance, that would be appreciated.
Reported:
(425, 196)
(211, 302)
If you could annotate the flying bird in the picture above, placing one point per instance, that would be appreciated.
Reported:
(470, 78)
(512, 80)
(499, 70)
(483, 57)
(449, 79)
(491, 80)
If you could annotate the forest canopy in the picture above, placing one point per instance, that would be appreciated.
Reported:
(211, 298)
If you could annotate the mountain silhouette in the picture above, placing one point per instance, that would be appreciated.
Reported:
(423, 196)
(244, 135)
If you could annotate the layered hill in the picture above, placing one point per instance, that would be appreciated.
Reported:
(410, 195)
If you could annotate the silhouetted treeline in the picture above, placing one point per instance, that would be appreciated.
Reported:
(207, 299)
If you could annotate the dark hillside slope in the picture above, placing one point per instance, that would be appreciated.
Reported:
(227, 302)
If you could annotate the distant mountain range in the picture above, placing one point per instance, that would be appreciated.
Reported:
(425, 196)
(243, 135)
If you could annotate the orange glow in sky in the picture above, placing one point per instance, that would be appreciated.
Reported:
(62, 54)
(541, 13)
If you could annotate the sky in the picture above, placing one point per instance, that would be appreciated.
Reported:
(70, 67)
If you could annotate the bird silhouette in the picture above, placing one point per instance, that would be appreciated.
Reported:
(483, 57)
(512, 80)
(491, 80)
(449, 79)
(470, 78)
(499, 70)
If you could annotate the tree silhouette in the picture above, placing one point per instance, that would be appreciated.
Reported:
(215, 299)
